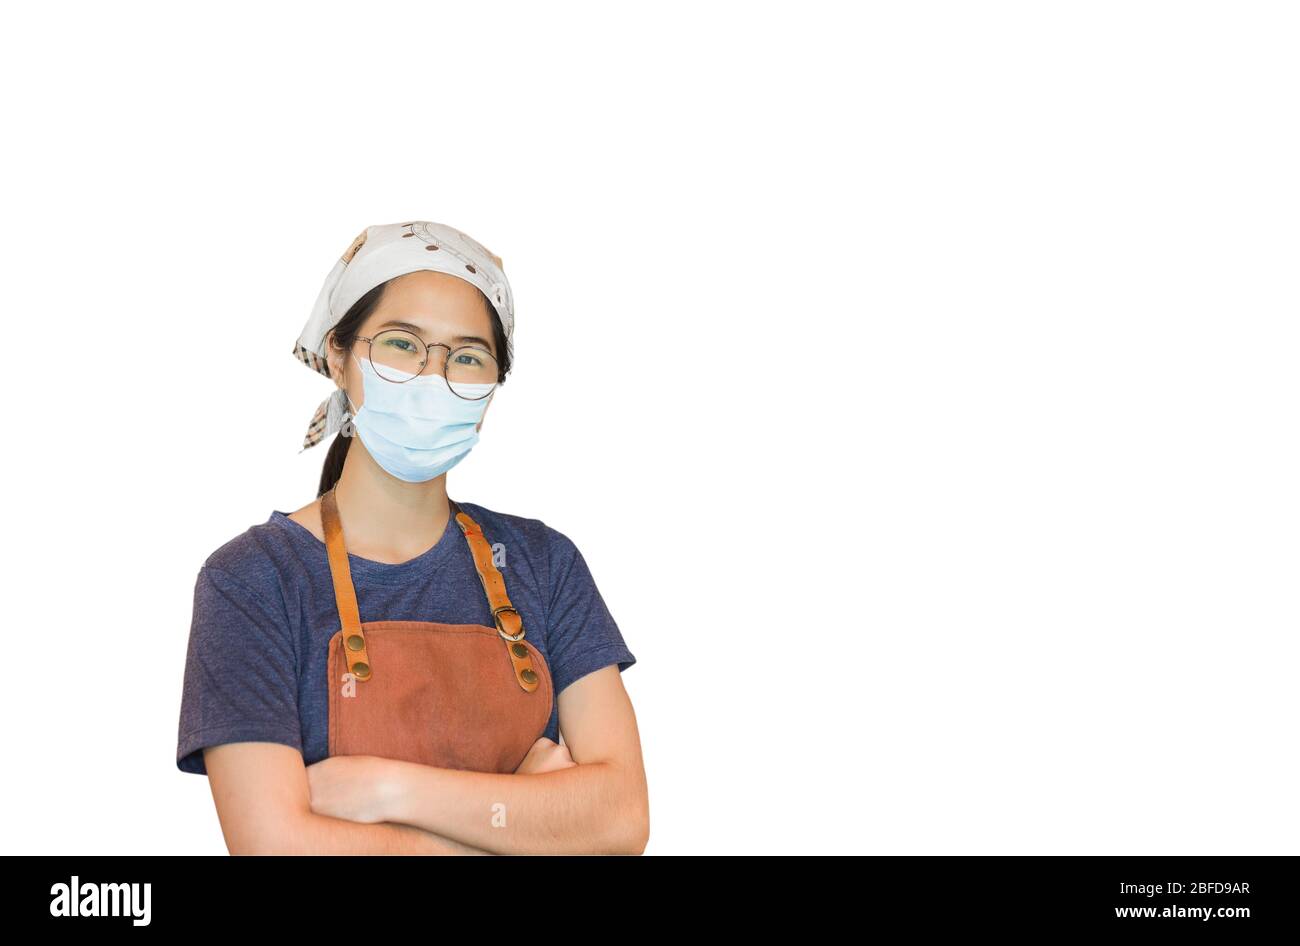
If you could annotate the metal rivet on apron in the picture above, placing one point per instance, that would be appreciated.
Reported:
(355, 642)
(529, 676)
(519, 649)
(361, 670)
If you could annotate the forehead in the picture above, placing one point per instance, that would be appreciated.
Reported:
(428, 286)
(435, 299)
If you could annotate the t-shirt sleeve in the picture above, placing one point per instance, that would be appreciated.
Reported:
(241, 681)
(581, 633)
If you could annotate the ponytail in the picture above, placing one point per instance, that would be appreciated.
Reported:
(333, 468)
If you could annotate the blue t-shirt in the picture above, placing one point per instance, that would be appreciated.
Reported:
(264, 611)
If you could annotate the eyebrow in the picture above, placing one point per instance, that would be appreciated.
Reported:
(416, 330)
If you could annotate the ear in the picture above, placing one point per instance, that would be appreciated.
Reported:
(334, 358)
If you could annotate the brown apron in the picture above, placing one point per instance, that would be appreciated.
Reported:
(458, 696)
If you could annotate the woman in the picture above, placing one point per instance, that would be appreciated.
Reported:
(387, 669)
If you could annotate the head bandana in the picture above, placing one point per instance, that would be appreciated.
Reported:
(380, 253)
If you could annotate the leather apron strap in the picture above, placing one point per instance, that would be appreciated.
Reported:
(354, 638)
(509, 622)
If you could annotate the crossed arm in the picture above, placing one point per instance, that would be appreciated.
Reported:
(262, 797)
(588, 796)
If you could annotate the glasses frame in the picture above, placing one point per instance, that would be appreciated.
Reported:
(370, 342)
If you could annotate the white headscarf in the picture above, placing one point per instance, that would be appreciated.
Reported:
(380, 253)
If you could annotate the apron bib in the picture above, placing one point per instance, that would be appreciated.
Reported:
(458, 696)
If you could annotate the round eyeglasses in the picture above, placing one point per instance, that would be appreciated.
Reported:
(399, 356)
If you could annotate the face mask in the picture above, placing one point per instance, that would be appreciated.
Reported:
(417, 429)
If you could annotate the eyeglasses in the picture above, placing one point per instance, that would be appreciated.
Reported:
(399, 356)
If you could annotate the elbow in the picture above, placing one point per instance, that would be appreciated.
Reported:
(285, 836)
(259, 845)
(630, 831)
(245, 845)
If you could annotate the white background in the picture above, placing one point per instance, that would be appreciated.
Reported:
(918, 380)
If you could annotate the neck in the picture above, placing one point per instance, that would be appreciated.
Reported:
(392, 519)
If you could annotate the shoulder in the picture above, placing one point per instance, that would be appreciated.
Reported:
(536, 538)
(258, 556)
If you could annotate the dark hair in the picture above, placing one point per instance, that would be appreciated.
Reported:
(345, 335)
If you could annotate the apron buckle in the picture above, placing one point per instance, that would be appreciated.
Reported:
(496, 616)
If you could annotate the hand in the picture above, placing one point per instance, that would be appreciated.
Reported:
(351, 787)
(545, 756)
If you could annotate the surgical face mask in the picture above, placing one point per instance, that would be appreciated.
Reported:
(416, 429)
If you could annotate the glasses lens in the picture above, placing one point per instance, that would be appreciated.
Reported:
(471, 372)
(397, 355)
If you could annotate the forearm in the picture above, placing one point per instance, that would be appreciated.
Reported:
(310, 833)
(582, 809)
